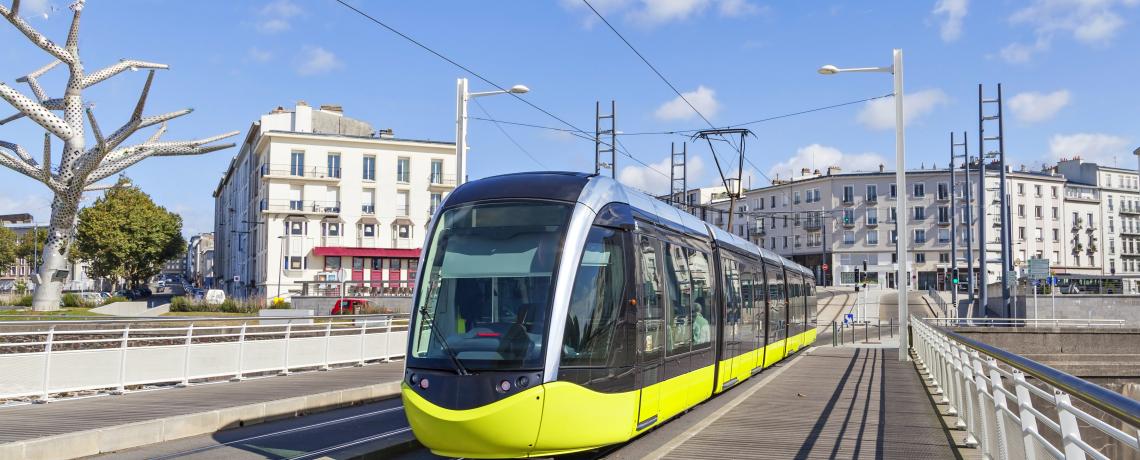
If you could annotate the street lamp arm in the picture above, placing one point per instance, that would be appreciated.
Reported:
(832, 70)
(485, 93)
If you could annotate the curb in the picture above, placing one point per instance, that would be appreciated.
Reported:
(115, 438)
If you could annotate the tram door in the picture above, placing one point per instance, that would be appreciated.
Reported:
(650, 325)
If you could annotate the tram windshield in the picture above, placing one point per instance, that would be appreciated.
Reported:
(487, 286)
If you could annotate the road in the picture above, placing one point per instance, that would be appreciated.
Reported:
(377, 430)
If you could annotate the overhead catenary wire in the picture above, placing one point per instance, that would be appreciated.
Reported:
(508, 135)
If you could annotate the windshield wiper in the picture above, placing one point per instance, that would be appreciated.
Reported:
(459, 368)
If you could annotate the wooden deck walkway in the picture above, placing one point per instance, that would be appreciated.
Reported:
(833, 403)
(19, 423)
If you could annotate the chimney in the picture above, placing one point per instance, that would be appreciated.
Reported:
(302, 103)
(833, 169)
(385, 133)
(805, 171)
(816, 172)
(1023, 168)
(279, 109)
(881, 167)
(332, 108)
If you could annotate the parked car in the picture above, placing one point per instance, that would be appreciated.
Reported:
(350, 306)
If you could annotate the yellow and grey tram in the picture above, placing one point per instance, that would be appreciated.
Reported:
(562, 312)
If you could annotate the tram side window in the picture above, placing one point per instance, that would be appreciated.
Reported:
(778, 304)
(680, 335)
(702, 298)
(597, 329)
(651, 308)
(732, 331)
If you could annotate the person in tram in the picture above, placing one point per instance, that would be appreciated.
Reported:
(700, 322)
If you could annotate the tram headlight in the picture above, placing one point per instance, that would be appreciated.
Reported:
(522, 382)
(505, 386)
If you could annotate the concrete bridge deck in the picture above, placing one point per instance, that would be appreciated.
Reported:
(89, 426)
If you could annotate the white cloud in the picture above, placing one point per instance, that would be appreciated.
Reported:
(655, 178)
(1095, 147)
(275, 16)
(37, 8)
(816, 156)
(315, 60)
(35, 203)
(880, 113)
(955, 11)
(1093, 22)
(1033, 107)
(657, 12)
(260, 55)
(703, 98)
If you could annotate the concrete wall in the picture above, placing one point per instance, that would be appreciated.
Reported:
(324, 305)
(1068, 306)
(1108, 352)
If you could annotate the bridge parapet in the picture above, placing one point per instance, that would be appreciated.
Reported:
(1014, 407)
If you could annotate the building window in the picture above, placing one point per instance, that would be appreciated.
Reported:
(436, 199)
(437, 171)
(1056, 235)
(893, 193)
(1056, 213)
(332, 263)
(295, 227)
(773, 199)
(1054, 191)
(1021, 189)
(919, 190)
(1037, 191)
(1038, 212)
(894, 214)
(403, 175)
(796, 197)
(403, 231)
(872, 193)
(797, 240)
(297, 163)
(358, 263)
(943, 191)
(944, 257)
(848, 216)
(334, 165)
(1039, 233)
(919, 236)
(873, 237)
(1020, 210)
(369, 167)
(785, 241)
(402, 203)
(944, 214)
(919, 213)
(1021, 233)
(1111, 225)
(815, 194)
(849, 237)
(872, 216)
(848, 194)
(368, 201)
(894, 257)
(368, 230)
(920, 257)
(296, 263)
(943, 235)
(330, 229)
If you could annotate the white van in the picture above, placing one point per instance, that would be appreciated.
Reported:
(215, 297)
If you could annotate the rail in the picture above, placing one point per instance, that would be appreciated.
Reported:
(943, 306)
(1013, 407)
(39, 359)
(1026, 322)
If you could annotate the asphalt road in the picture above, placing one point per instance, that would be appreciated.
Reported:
(377, 430)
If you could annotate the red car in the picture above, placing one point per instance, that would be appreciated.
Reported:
(350, 306)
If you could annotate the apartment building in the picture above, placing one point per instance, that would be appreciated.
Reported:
(845, 219)
(200, 260)
(1115, 233)
(314, 195)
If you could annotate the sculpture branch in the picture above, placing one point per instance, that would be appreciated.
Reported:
(24, 168)
(129, 156)
(108, 72)
(36, 37)
(37, 112)
(19, 151)
(72, 44)
(30, 79)
(46, 167)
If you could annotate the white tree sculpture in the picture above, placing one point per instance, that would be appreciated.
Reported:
(79, 166)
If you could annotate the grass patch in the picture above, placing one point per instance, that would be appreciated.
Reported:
(62, 313)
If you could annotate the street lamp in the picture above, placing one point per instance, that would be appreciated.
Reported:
(901, 276)
(462, 97)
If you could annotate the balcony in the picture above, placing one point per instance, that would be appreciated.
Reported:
(324, 208)
(1129, 210)
(872, 222)
(1129, 230)
(330, 241)
(942, 197)
(872, 199)
(812, 225)
(441, 181)
(368, 242)
(320, 173)
(944, 222)
(849, 200)
(402, 211)
(368, 209)
(402, 243)
(848, 223)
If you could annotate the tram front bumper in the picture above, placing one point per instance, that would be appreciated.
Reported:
(503, 429)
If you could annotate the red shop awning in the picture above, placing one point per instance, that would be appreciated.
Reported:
(366, 252)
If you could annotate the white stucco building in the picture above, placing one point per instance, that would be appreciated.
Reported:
(317, 196)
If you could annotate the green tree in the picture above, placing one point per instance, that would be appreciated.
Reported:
(31, 245)
(7, 248)
(126, 235)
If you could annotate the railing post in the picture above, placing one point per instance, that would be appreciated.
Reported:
(388, 341)
(123, 361)
(834, 340)
(47, 364)
(288, 334)
(1000, 402)
(968, 419)
(186, 356)
(328, 335)
(983, 391)
(1070, 430)
(363, 330)
(1028, 420)
(241, 353)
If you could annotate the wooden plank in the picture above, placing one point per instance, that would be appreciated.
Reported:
(834, 403)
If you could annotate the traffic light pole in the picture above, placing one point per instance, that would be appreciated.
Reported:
(953, 233)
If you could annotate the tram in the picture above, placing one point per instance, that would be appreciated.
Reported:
(563, 312)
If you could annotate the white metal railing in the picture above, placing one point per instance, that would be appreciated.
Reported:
(1027, 322)
(1012, 407)
(44, 358)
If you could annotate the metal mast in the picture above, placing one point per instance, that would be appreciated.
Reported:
(1004, 229)
(983, 244)
(969, 221)
(953, 230)
(678, 186)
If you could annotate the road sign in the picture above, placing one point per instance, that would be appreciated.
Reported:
(1039, 268)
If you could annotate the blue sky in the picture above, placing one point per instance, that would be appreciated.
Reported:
(1068, 68)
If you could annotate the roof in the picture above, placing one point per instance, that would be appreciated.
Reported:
(368, 138)
(366, 252)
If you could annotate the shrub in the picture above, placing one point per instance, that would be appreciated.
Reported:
(280, 306)
(113, 299)
(23, 301)
(72, 301)
(182, 304)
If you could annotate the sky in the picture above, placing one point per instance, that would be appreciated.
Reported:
(1068, 71)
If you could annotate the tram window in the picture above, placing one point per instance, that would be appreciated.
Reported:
(651, 308)
(702, 297)
(595, 327)
(778, 304)
(747, 308)
(732, 333)
(680, 335)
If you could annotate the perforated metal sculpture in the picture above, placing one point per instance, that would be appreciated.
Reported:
(79, 166)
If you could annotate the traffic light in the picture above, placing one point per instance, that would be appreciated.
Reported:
(954, 276)
(857, 280)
